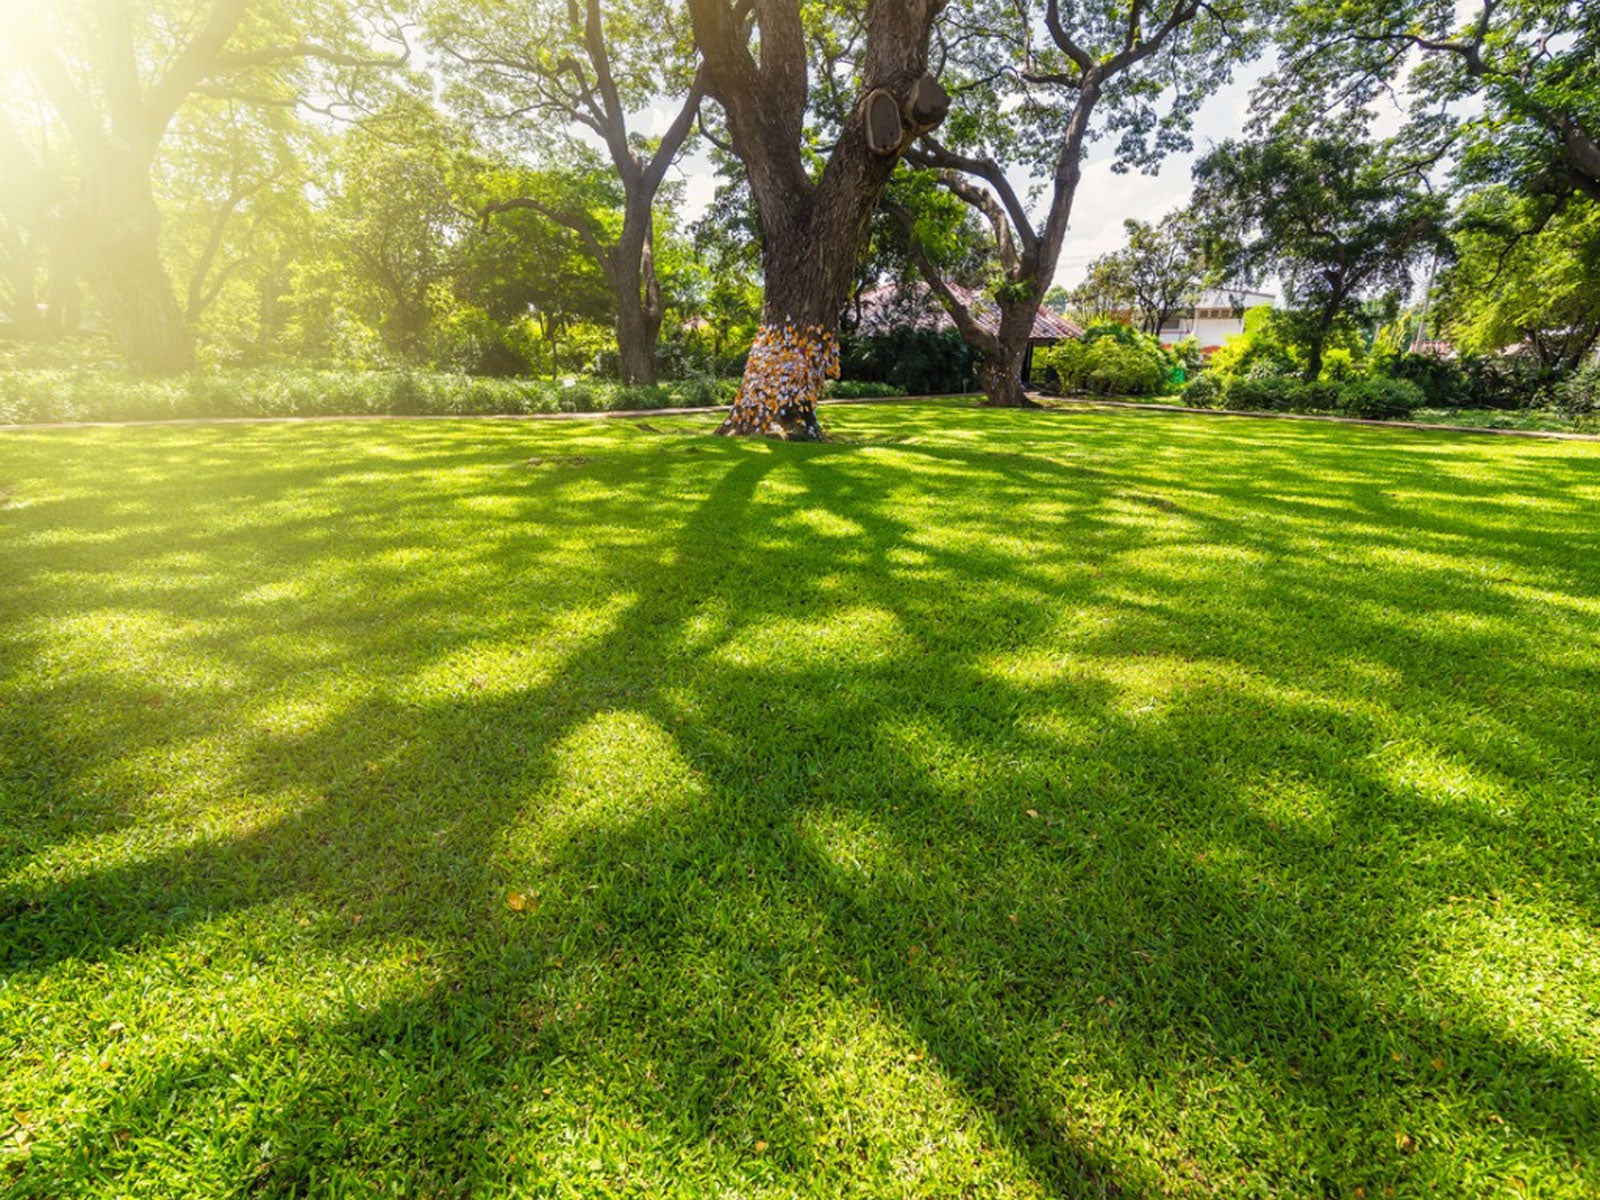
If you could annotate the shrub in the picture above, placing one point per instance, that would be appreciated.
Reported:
(1205, 391)
(1379, 399)
(1112, 359)
(29, 397)
(855, 389)
(1578, 395)
(1443, 382)
(1267, 393)
(913, 362)
(1370, 398)
(1507, 381)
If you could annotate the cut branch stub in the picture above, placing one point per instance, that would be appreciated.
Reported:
(927, 104)
(886, 130)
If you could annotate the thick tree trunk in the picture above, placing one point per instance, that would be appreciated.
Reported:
(1001, 379)
(121, 256)
(808, 261)
(1000, 373)
(636, 342)
(812, 228)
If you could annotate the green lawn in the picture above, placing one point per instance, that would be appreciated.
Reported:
(988, 803)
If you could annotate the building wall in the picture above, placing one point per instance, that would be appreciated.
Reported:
(1208, 331)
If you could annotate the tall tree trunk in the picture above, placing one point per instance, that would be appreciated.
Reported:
(121, 256)
(808, 260)
(631, 272)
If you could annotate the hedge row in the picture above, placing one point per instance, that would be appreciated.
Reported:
(36, 396)
(1374, 399)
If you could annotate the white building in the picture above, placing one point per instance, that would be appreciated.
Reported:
(1216, 317)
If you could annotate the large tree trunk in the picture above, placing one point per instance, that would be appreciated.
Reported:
(121, 256)
(1000, 373)
(808, 259)
(812, 229)
(1001, 378)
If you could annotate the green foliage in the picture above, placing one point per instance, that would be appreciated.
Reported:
(913, 362)
(1113, 359)
(1205, 391)
(857, 389)
(1276, 341)
(1155, 276)
(1444, 382)
(1339, 222)
(988, 805)
(1578, 395)
(1380, 399)
(1369, 399)
(33, 396)
(1526, 278)
(1509, 88)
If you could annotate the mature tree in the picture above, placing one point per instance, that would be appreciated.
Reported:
(1513, 86)
(1524, 279)
(117, 73)
(523, 266)
(1337, 221)
(814, 206)
(230, 180)
(398, 225)
(1158, 273)
(557, 77)
(1032, 77)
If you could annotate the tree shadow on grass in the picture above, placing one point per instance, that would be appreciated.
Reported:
(781, 863)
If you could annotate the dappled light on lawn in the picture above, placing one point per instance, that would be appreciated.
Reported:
(1013, 804)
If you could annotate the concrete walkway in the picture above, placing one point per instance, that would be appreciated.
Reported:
(607, 415)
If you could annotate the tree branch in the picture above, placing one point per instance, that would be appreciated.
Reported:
(566, 220)
(971, 332)
(933, 153)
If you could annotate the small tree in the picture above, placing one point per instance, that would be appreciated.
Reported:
(1338, 222)
(397, 226)
(1158, 273)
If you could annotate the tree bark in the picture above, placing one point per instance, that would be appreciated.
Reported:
(630, 269)
(1000, 375)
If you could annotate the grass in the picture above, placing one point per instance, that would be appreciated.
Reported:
(991, 804)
